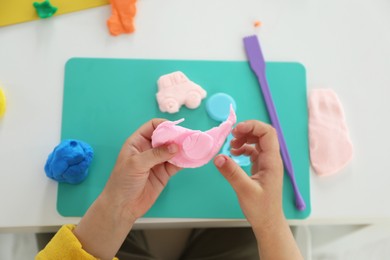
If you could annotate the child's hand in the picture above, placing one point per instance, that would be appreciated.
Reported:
(141, 172)
(260, 195)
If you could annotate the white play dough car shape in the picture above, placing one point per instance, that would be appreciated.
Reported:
(175, 90)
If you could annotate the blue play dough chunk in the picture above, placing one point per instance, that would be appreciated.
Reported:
(241, 160)
(218, 106)
(69, 161)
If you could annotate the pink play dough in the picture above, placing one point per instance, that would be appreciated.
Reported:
(196, 148)
(330, 145)
(175, 90)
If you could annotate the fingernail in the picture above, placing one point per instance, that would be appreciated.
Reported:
(220, 161)
(172, 148)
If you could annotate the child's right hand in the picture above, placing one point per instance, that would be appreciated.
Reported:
(259, 195)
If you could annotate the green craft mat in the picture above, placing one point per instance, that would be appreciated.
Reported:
(106, 100)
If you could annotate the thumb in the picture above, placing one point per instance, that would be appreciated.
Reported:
(233, 173)
(157, 155)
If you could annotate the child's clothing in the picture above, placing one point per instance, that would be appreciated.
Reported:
(210, 244)
(64, 245)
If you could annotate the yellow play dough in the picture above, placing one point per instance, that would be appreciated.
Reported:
(2, 103)
(12, 11)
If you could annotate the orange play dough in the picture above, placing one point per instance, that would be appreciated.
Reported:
(257, 23)
(122, 17)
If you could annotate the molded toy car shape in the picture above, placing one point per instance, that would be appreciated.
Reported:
(175, 90)
(196, 148)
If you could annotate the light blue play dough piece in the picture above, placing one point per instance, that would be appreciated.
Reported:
(218, 106)
(69, 161)
(241, 160)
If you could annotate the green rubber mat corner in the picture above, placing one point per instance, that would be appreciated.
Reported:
(106, 100)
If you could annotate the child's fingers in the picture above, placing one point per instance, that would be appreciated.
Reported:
(247, 150)
(252, 129)
(148, 159)
(141, 139)
(233, 173)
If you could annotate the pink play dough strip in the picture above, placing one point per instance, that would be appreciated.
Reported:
(330, 145)
(196, 148)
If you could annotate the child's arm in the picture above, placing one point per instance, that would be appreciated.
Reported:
(64, 245)
(260, 195)
(139, 176)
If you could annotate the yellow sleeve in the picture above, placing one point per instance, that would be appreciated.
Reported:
(64, 245)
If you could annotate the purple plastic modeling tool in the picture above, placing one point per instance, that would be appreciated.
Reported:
(257, 63)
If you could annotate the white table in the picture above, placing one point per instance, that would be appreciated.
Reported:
(345, 45)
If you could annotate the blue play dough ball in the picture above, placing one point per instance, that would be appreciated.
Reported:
(69, 161)
(218, 106)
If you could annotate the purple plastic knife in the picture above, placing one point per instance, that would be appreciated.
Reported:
(257, 63)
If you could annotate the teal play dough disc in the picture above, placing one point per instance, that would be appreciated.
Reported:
(218, 106)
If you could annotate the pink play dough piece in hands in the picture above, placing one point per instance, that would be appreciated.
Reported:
(175, 90)
(196, 148)
(330, 145)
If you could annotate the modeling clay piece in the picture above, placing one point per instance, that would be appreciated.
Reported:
(175, 90)
(330, 146)
(241, 160)
(257, 23)
(122, 17)
(3, 103)
(196, 147)
(69, 162)
(218, 106)
(45, 9)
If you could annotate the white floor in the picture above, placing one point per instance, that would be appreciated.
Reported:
(18, 246)
(316, 243)
(365, 243)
